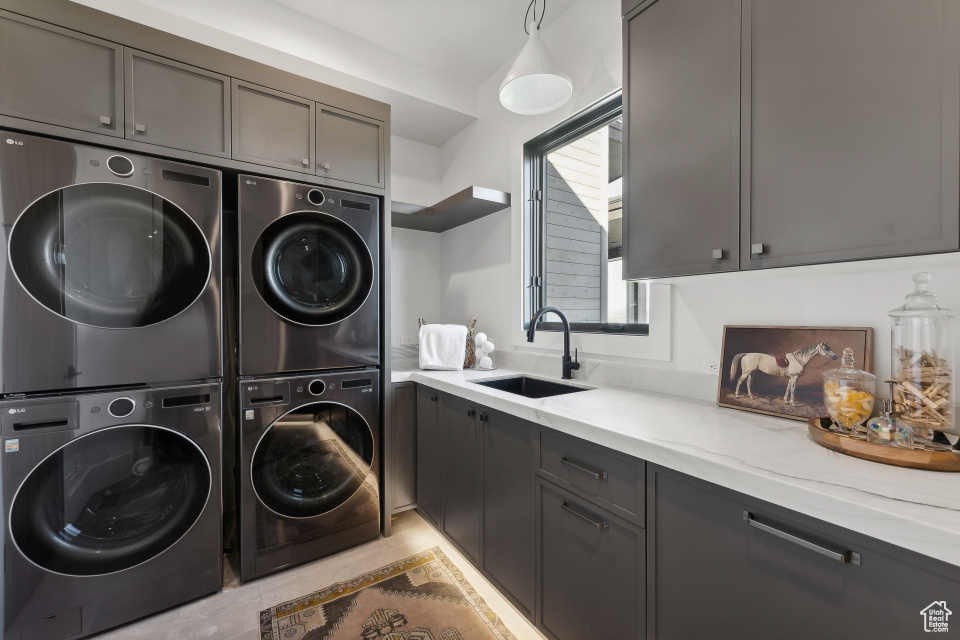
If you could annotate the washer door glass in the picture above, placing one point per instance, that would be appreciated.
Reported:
(312, 460)
(110, 500)
(110, 255)
(312, 268)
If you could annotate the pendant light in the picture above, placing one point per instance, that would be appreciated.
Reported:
(535, 83)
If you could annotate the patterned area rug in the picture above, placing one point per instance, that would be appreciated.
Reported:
(423, 597)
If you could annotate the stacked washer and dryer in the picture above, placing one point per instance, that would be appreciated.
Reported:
(110, 375)
(113, 390)
(307, 452)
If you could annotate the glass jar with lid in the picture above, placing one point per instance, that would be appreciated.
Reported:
(848, 393)
(922, 361)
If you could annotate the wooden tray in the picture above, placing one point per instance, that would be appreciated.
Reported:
(856, 445)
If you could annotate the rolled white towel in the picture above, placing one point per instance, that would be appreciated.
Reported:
(442, 346)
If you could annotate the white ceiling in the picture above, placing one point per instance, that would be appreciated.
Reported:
(463, 39)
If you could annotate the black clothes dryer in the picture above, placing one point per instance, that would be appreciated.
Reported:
(110, 268)
(111, 505)
(309, 278)
(308, 467)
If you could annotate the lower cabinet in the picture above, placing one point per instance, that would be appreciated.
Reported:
(725, 565)
(429, 454)
(404, 468)
(591, 570)
(460, 492)
(510, 454)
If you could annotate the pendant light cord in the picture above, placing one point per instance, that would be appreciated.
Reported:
(533, 5)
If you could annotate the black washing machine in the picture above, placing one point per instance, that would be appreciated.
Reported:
(308, 467)
(111, 268)
(111, 505)
(309, 278)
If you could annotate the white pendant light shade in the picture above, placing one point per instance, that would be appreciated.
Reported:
(535, 84)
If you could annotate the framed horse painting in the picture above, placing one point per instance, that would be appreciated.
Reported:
(776, 370)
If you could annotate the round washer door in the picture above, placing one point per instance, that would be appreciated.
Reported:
(312, 268)
(312, 460)
(110, 255)
(110, 500)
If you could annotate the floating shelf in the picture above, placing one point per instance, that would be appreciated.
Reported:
(466, 206)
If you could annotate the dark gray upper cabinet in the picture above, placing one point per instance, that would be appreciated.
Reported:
(349, 147)
(273, 128)
(509, 506)
(460, 487)
(175, 105)
(60, 77)
(404, 467)
(429, 454)
(851, 130)
(720, 568)
(681, 127)
(591, 571)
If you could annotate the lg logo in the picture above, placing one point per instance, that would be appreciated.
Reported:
(14, 411)
(19, 143)
(248, 181)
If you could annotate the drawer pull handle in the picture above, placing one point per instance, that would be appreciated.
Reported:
(601, 526)
(847, 556)
(599, 475)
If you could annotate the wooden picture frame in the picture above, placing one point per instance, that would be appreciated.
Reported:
(772, 354)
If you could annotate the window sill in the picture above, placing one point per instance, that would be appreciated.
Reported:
(655, 346)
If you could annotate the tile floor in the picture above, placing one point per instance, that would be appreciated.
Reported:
(232, 614)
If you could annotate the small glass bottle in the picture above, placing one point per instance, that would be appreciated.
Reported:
(887, 429)
(922, 361)
(848, 393)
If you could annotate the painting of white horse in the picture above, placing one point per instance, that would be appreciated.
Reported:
(777, 370)
(790, 365)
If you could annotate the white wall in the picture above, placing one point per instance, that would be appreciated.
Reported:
(415, 285)
(481, 260)
(414, 172)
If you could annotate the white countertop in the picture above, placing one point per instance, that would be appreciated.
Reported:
(769, 458)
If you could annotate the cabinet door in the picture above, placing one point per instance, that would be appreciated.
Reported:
(61, 77)
(461, 475)
(349, 147)
(509, 506)
(176, 105)
(681, 128)
(404, 446)
(272, 128)
(591, 575)
(851, 130)
(429, 454)
(716, 576)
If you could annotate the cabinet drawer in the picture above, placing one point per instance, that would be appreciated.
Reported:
(591, 570)
(611, 479)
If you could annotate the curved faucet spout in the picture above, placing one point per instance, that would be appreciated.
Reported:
(569, 364)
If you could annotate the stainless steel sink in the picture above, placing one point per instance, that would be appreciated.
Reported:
(530, 387)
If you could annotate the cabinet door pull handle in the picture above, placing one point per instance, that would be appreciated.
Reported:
(471, 412)
(599, 475)
(140, 128)
(718, 254)
(433, 398)
(847, 556)
(601, 526)
(305, 162)
(105, 120)
(326, 166)
(756, 249)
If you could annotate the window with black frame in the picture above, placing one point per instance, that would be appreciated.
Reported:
(573, 220)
